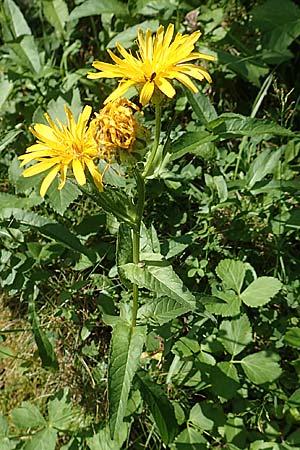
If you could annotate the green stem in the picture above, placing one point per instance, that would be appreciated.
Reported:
(136, 241)
(151, 158)
(135, 289)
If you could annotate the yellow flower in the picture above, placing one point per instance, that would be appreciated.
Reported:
(159, 59)
(115, 127)
(60, 147)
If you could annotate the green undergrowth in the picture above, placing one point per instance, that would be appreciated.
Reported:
(214, 359)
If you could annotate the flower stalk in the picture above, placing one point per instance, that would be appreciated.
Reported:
(151, 159)
(136, 235)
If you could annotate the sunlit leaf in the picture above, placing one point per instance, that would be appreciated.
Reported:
(262, 367)
(126, 349)
(261, 291)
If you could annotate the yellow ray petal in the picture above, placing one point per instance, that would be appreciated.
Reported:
(63, 176)
(96, 175)
(184, 79)
(39, 168)
(27, 157)
(121, 89)
(37, 148)
(48, 180)
(146, 92)
(44, 132)
(165, 87)
(83, 119)
(78, 172)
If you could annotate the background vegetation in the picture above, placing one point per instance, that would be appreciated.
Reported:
(224, 211)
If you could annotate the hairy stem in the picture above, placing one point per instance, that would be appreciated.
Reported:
(136, 240)
(151, 158)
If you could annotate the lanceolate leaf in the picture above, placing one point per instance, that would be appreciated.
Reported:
(230, 125)
(160, 407)
(160, 279)
(191, 142)
(47, 227)
(162, 310)
(56, 12)
(202, 107)
(116, 202)
(126, 348)
(46, 352)
(124, 249)
(15, 18)
(27, 53)
(264, 164)
(94, 7)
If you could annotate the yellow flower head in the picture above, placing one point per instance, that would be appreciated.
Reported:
(160, 58)
(60, 147)
(115, 127)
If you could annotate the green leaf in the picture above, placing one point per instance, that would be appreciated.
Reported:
(117, 202)
(294, 400)
(189, 439)
(221, 187)
(128, 36)
(235, 334)
(7, 138)
(260, 291)
(202, 107)
(57, 14)
(5, 442)
(94, 7)
(235, 431)
(292, 337)
(6, 352)
(27, 53)
(27, 416)
(162, 310)
(192, 142)
(102, 440)
(60, 410)
(126, 349)
(279, 21)
(61, 199)
(43, 440)
(15, 18)
(262, 367)
(234, 125)
(224, 379)
(124, 250)
(252, 69)
(3, 426)
(160, 278)
(6, 200)
(47, 227)
(264, 164)
(5, 89)
(206, 415)
(232, 273)
(226, 304)
(160, 407)
(46, 352)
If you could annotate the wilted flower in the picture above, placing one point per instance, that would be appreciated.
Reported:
(61, 147)
(159, 59)
(115, 127)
